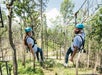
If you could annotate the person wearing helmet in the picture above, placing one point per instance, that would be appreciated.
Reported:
(76, 44)
(31, 43)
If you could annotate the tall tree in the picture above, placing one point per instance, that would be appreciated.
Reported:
(27, 12)
(96, 34)
(42, 4)
(66, 12)
(9, 6)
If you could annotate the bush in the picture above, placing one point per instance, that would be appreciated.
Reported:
(30, 71)
(49, 63)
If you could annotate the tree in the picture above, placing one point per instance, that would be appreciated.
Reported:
(9, 7)
(96, 34)
(27, 12)
(42, 6)
(66, 12)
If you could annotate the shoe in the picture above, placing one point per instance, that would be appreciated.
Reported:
(65, 65)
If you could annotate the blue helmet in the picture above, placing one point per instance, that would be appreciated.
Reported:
(80, 26)
(28, 29)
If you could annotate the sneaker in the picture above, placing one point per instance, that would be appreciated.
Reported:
(65, 64)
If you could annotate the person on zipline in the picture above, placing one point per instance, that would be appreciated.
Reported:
(31, 43)
(76, 44)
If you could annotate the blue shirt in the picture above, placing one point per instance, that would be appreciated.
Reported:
(77, 41)
(31, 41)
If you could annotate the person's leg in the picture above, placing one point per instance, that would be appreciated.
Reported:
(71, 53)
(67, 55)
(41, 53)
(37, 54)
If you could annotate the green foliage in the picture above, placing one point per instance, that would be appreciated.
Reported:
(29, 70)
(28, 11)
(66, 9)
(96, 24)
(56, 35)
(24, 6)
(49, 63)
(3, 32)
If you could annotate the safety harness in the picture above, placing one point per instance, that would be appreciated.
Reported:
(27, 43)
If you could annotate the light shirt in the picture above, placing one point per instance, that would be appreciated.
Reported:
(31, 41)
(77, 41)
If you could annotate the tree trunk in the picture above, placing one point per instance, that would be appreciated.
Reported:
(34, 63)
(0, 70)
(65, 41)
(9, 6)
(2, 54)
(89, 46)
(47, 46)
(46, 36)
(42, 46)
(101, 61)
(96, 62)
(56, 52)
(24, 49)
(60, 52)
(53, 47)
(23, 59)
(1, 48)
(77, 62)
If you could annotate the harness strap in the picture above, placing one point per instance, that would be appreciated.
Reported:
(33, 44)
(82, 45)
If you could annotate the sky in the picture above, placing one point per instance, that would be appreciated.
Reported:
(53, 9)
(53, 4)
(56, 4)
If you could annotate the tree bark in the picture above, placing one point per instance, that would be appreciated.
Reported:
(53, 47)
(23, 52)
(9, 7)
(56, 52)
(23, 57)
(46, 40)
(42, 42)
(101, 61)
(47, 47)
(60, 52)
(89, 46)
(77, 62)
(1, 45)
(96, 63)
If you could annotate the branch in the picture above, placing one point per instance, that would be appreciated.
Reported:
(8, 5)
(11, 3)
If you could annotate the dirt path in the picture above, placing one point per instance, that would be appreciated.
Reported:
(48, 72)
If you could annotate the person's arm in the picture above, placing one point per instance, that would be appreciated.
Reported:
(31, 49)
(75, 46)
(74, 52)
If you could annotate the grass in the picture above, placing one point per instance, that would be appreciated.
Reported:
(59, 69)
(53, 67)
(29, 70)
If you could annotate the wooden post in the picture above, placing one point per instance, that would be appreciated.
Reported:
(34, 63)
(1, 21)
(0, 70)
(6, 67)
(60, 51)
(77, 62)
